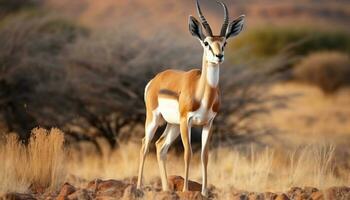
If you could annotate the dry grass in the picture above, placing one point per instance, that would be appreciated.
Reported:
(40, 164)
(252, 170)
(309, 115)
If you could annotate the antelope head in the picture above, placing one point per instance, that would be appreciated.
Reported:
(214, 45)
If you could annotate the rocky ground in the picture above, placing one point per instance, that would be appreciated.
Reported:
(126, 190)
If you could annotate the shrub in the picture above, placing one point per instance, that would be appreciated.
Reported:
(9, 6)
(327, 70)
(31, 66)
(268, 41)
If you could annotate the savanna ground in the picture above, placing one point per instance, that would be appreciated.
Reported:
(283, 131)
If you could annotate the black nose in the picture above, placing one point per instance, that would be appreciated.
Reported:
(220, 56)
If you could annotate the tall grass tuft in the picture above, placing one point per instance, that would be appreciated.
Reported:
(39, 164)
(13, 165)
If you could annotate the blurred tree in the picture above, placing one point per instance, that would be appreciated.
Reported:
(29, 61)
(91, 83)
(10, 6)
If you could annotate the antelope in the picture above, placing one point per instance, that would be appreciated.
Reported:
(183, 99)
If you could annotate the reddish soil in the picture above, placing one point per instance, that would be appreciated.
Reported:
(126, 190)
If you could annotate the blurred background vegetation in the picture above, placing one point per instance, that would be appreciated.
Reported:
(82, 66)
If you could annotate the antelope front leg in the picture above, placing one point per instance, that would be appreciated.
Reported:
(185, 129)
(206, 133)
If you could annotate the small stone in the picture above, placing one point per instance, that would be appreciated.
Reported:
(131, 193)
(310, 190)
(113, 188)
(255, 196)
(131, 180)
(163, 195)
(16, 196)
(296, 193)
(239, 196)
(66, 190)
(337, 193)
(37, 188)
(108, 184)
(92, 185)
(190, 195)
(176, 183)
(270, 195)
(282, 197)
(317, 196)
(82, 194)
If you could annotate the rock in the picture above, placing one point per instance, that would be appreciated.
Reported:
(270, 195)
(148, 188)
(190, 195)
(317, 196)
(92, 185)
(294, 190)
(17, 196)
(151, 195)
(296, 193)
(106, 198)
(106, 185)
(337, 193)
(131, 180)
(82, 194)
(176, 184)
(239, 196)
(213, 192)
(103, 189)
(255, 196)
(75, 180)
(156, 184)
(131, 193)
(66, 190)
(37, 188)
(282, 197)
(310, 190)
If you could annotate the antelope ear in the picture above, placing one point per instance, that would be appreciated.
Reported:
(235, 27)
(195, 28)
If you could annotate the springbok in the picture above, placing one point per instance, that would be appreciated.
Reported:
(183, 99)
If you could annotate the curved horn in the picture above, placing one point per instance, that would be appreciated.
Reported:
(226, 19)
(203, 20)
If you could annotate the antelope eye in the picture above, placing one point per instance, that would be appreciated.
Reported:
(225, 43)
(206, 43)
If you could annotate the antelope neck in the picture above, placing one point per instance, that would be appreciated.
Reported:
(208, 81)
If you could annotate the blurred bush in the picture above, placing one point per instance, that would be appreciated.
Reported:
(329, 71)
(269, 41)
(31, 67)
(9, 6)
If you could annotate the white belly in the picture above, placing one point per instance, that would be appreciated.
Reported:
(169, 108)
